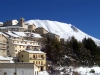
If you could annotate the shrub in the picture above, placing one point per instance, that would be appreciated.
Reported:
(92, 71)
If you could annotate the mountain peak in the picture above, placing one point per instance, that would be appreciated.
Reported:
(64, 30)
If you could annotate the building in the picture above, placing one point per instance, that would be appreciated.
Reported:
(17, 69)
(41, 30)
(12, 28)
(10, 23)
(3, 44)
(33, 56)
(31, 27)
(1, 24)
(17, 42)
(14, 25)
(52, 36)
(17, 45)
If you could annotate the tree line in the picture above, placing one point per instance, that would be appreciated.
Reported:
(72, 52)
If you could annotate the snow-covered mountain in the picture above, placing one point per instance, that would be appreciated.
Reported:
(63, 29)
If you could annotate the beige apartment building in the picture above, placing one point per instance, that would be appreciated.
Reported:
(17, 45)
(33, 56)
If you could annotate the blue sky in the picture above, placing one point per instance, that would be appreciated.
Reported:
(84, 14)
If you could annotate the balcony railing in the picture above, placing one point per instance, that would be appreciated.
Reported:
(35, 58)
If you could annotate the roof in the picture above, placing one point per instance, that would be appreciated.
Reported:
(1, 22)
(25, 44)
(10, 27)
(4, 58)
(3, 34)
(20, 33)
(31, 51)
(11, 34)
(24, 34)
(35, 35)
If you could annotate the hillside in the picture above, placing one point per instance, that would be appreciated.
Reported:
(63, 29)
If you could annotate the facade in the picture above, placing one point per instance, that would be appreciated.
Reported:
(17, 45)
(41, 30)
(52, 35)
(17, 69)
(31, 27)
(10, 23)
(11, 28)
(3, 45)
(36, 57)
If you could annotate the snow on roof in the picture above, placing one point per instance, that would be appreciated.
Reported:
(1, 22)
(14, 26)
(10, 27)
(11, 34)
(43, 73)
(3, 34)
(37, 35)
(20, 33)
(31, 51)
(4, 58)
(25, 44)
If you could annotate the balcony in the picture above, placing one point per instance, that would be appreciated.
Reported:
(41, 64)
(36, 58)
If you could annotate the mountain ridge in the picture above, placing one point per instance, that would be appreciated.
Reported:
(64, 30)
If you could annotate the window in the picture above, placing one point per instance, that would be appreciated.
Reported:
(34, 62)
(41, 62)
(33, 56)
(37, 72)
(22, 55)
(15, 73)
(15, 50)
(12, 41)
(42, 56)
(5, 73)
(7, 47)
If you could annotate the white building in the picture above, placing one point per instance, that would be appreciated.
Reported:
(17, 69)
